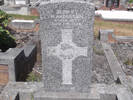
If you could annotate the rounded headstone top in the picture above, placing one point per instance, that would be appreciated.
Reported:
(60, 1)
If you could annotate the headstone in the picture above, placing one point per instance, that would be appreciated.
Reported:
(123, 2)
(20, 2)
(1, 2)
(66, 32)
(109, 3)
(27, 1)
(6, 2)
(67, 37)
(116, 3)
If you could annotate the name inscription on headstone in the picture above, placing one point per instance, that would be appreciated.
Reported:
(67, 18)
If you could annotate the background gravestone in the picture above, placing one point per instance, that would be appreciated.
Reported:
(66, 32)
(22, 2)
(1, 2)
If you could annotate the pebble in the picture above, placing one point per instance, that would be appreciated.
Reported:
(22, 38)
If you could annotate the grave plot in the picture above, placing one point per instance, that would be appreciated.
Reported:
(23, 38)
(124, 54)
(74, 65)
(68, 43)
(17, 61)
(20, 60)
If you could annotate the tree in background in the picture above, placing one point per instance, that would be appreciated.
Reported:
(6, 39)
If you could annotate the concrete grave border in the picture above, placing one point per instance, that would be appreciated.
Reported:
(18, 24)
(117, 71)
(27, 91)
(12, 55)
(109, 36)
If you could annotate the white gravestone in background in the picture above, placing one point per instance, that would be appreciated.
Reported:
(19, 2)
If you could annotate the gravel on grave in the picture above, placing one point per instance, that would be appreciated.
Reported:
(101, 69)
(22, 38)
(123, 52)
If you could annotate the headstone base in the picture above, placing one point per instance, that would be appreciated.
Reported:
(43, 95)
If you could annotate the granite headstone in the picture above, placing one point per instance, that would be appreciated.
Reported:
(66, 32)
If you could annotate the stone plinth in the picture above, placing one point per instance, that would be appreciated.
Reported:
(66, 96)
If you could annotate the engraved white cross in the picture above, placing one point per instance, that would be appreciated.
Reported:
(67, 51)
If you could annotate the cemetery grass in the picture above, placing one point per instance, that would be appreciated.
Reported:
(25, 17)
(120, 28)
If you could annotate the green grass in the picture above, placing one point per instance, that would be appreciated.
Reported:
(97, 51)
(33, 77)
(123, 29)
(25, 17)
(129, 62)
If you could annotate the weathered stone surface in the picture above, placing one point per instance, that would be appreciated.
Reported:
(42, 95)
(109, 97)
(66, 33)
(19, 61)
(27, 90)
(104, 34)
(113, 62)
(20, 90)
